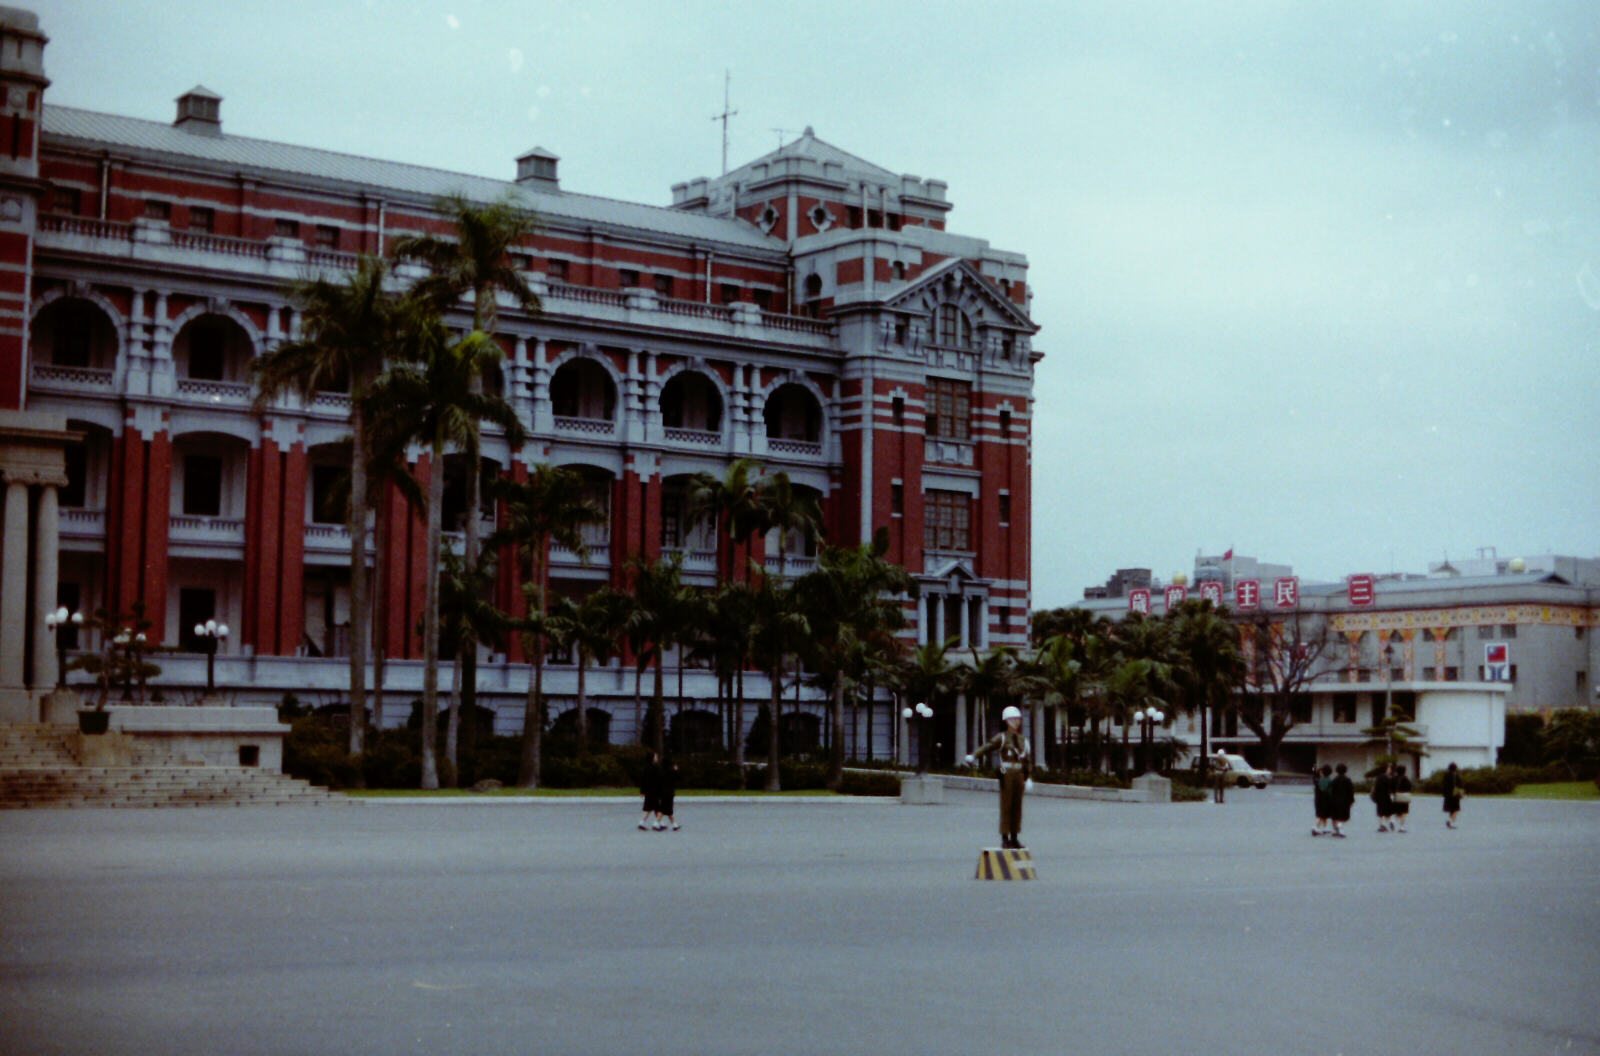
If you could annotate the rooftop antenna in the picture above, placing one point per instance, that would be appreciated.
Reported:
(780, 132)
(727, 78)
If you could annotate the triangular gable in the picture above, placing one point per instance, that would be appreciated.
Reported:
(957, 276)
(810, 148)
(955, 567)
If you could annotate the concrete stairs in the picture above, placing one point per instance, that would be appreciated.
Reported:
(38, 769)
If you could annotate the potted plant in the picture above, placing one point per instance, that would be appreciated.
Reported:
(120, 660)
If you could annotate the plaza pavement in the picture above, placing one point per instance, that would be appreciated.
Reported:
(798, 926)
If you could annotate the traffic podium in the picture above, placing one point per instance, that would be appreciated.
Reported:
(999, 863)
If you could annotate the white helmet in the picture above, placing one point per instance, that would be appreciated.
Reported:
(1012, 712)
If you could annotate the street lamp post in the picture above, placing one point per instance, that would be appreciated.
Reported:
(55, 622)
(211, 632)
(1148, 719)
(1388, 696)
(923, 713)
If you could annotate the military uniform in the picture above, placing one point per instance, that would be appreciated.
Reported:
(1016, 767)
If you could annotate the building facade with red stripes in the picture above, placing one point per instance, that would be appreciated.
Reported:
(809, 310)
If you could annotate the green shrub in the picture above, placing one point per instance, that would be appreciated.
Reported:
(879, 784)
(1185, 793)
(1489, 780)
(792, 776)
(594, 771)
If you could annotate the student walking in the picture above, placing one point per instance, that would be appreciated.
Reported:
(1341, 797)
(1453, 791)
(1321, 795)
(657, 785)
(1401, 798)
(1383, 798)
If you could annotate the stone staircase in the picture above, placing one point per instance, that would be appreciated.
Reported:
(38, 769)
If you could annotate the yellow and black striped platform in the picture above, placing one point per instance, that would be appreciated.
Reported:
(995, 863)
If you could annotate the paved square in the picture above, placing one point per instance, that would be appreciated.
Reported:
(798, 926)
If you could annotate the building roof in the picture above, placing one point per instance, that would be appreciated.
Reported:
(810, 148)
(92, 129)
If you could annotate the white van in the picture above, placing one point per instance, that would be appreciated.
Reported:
(1239, 771)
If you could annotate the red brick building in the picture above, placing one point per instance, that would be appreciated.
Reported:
(809, 310)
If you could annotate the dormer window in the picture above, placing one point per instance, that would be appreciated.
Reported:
(200, 111)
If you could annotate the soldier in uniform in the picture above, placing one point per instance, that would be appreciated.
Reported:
(1016, 774)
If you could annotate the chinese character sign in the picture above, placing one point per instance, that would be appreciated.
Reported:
(1361, 590)
(1176, 596)
(1286, 592)
(1139, 601)
(1211, 591)
(1247, 594)
(1496, 662)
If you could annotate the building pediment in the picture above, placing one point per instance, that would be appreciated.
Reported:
(958, 281)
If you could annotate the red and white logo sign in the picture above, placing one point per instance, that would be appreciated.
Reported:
(1176, 595)
(1362, 590)
(1286, 592)
(1247, 594)
(1496, 662)
(1211, 590)
(1139, 601)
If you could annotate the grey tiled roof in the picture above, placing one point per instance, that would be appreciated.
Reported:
(89, 128)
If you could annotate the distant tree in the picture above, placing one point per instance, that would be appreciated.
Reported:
(1572, 739)
(1282, 656)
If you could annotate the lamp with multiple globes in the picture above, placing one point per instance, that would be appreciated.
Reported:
(211, 632)
(920, 711)
(1148, 719)
(54, 622)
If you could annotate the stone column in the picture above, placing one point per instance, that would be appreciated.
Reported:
(14, 585)
(966, 621)
(46, 562)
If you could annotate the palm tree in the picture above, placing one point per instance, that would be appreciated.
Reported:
(850, 597)
(591, 626)
(465, 619)
(1056, 674)
(779, 506)
(348, 329)
(926, 676)
(780, 624)
(1209, 667)
(660, 600)
(728, 502)
(477, 263)
(731, 624)
(550, 507)
(436, 402)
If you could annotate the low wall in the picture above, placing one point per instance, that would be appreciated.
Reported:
(163, 735)
(1154, 794)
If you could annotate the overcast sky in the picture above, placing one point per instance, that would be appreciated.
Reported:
(1319, 280)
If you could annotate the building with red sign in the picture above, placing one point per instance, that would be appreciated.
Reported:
(1456, 648)
(809, 310)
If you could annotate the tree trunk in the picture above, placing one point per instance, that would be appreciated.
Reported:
(531, 764)
(467, 650)
(360, 605)
(658, 703)
(430, 623)
(380, 603)
(774, 704)
(738, 718)
(836, 763)
(583, 705)
(452, 727)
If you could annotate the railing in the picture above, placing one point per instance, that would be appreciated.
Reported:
(792, 565)
(596, 555)
(328, 537)
(693, 560)
(82, 523)
(701, 437)
(696, 310)
(214, 391)
(592, 426)
(338, 402)
(81, 225)
(48, 375)
(796, 323)
(585, 295)
(332, 258)
(192, 529)
(779, 446)
(203, 242)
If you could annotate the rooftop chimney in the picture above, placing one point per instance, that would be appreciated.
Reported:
(200, 111)
(536, 170)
